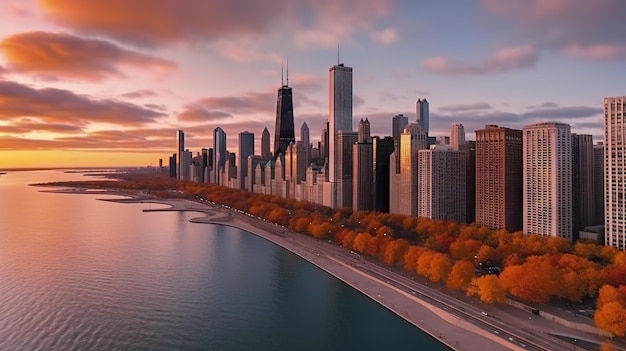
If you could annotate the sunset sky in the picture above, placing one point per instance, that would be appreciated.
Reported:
(107, 83)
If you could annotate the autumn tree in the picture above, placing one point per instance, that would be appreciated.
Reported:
(461, 275)
(434, 266)
(531, 281)
(488, 288)
(395, 250)
(611, 310)
(360, 242)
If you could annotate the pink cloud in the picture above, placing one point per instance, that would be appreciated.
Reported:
(386, 36)
(601, 52)
(501, 61)
(59, 54)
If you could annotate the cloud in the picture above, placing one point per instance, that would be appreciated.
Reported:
(30, 125)
(200, 114)
(564, 112)
(584, 28)
(306, 82)
(501, 61)
(357, 101)
(467, 107)
(50, 105)
(64, 55)
(386, 36)
(140, 94)
(253, 102)
(167, 22)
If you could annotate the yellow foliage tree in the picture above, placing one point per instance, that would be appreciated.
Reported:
(612, 318)
(488, 288)
(461, 275)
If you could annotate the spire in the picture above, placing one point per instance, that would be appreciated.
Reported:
(287, 71)
(338, 54)
(282, 72)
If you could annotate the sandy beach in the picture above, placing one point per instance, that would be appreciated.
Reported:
(459, 325)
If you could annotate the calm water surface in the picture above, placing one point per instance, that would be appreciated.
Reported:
(81, 274)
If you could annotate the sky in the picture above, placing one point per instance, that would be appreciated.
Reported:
(108, 83)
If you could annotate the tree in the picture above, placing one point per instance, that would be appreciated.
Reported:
(488, 288)
(395, 250)
(360, 242)
(612, 318)
(461, 275)
(434, 266)
(530, 281)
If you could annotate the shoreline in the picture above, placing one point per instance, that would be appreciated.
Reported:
(423, 306)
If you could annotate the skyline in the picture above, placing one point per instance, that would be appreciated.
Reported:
(114, 92)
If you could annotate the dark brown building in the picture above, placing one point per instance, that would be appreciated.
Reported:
(499, 178)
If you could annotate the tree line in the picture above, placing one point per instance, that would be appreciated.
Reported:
(477, 260)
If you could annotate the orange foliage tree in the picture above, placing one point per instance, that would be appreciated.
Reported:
(488, 288)
(461, 275)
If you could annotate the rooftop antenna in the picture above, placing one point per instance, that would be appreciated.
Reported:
(287, 70)
(338, 54)
(282, 71)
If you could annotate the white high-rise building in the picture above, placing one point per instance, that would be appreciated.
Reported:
(457, 136)
(547, 180)
(441, 183)
(614, 172)
(412, 140)
(339, 119)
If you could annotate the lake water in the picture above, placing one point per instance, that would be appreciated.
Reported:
(81, 274)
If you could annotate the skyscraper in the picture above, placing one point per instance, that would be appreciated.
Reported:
(421, 109)
(363, 169)
(364, 135)
(345, 141)
(173, 167)
(305, 135)
(598, 184)
(457, 136)
(499, 178)
(547, 182)
(582, 182)
(339, 119)
(266, 152)
(219, 154)
(180, 139)
(412, 139)
(382, 149)
(284, 134)
(398, 122)
(246, 148)
(614, 172)
(441, 183)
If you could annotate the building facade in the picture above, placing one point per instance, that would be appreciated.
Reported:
(246, 149)
(547, 180)
(499, 178)
(615, 172)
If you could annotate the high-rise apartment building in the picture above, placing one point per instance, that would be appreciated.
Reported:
(381, 150)
(246, 149)
(598, 184)
(421, 109)
(499, 178)
(219, 154)
(457, 136)
(339, 120)
(582, 182)
(470, 180)
(284, 133)
(412, 140)
(266, 151)
(615, 172)
(344, 185)
(180, 142)
(547, 180)
(441, 183)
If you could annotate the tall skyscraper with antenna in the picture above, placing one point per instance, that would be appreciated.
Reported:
(284, 133)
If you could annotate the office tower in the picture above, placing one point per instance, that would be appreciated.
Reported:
(219, 154)
(324, 142)
(304, 135)
(412, 140)
(364, 134)
(205, 164)
(442, 183)
(398, 123)
(284, 134)
(381, 150)
(457, 136)
(266, 152)
(345, 141)
(209, 166)
(499, 178)
(470, 180)
(598, 183)
(442, 140)
(296, 163)
(246, 149)
(614, 172)
(582, 182)
(172, 166)
(421, 109)
(394, 183)
(185, 163)
(253, 161)
(180, 139)
(195, 172)
(547, 180)
(363, 170)
(339, 120)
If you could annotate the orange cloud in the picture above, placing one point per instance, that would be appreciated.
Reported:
(58, 54)
(58, 106)
(152, 22)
